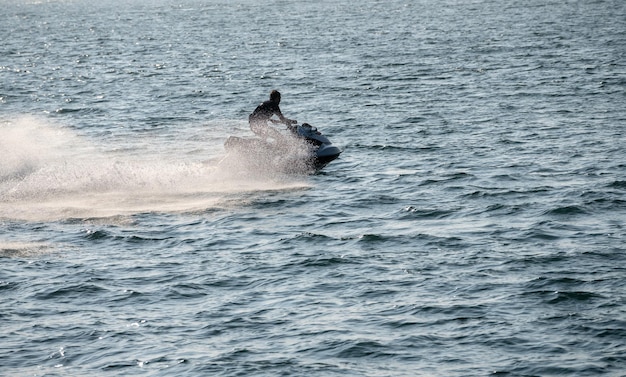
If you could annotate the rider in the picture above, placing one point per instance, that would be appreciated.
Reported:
(263, 113)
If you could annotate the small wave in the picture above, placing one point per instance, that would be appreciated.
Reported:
(503, 208)
(65, 110)
(512, 142)
(386, 148)
(561, 296)
(566, 211)
(326, 261)
(310, 238)
(359, 349)
(541, 235)
(617, 184)
(554, 297)
(103, 235)
(447, 178)
(458, 175)
(373, 238)
(96, 235)
(426, 213)
(7, 285)
(553, 284)
(486, 192)
(185, 290)
(71, 291)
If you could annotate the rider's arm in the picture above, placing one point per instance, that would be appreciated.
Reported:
(283, 119)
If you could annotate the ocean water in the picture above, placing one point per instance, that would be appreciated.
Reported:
(473, 226)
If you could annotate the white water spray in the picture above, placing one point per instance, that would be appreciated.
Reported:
(47, 172)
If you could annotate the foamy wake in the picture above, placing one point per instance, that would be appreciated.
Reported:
(47, 172)
(23, 249)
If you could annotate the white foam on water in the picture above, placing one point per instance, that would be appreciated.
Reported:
(15, 249)
(48, 172)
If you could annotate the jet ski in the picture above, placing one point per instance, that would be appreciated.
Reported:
(302, 149)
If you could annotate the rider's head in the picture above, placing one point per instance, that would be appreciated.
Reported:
(275, 96)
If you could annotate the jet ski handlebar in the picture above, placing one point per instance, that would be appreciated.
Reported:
(288, 122)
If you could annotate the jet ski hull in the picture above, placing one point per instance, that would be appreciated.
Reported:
(325, 155)
(304, 150)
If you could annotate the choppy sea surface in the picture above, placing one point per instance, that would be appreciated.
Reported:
(474, 224)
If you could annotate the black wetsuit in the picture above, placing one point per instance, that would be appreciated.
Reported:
(261, 115)
(264, 111)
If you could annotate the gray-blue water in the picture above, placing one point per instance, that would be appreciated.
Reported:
(474, 224)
